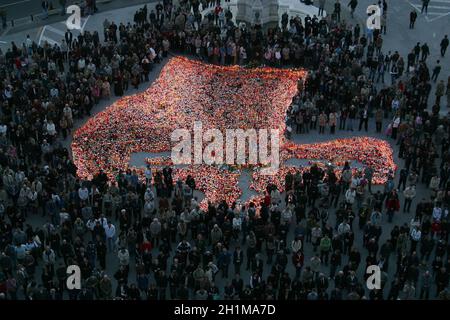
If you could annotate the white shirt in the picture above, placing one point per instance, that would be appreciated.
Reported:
(437, 213)
(83, 193)
(3, 129)
(343, 228)
(51, 130)
(416, 234)
(54, 92)
(91, 67)
(110, 231)
(350, 196)
(237, 223)
(67, 112)
(396, 122)
(296, 245)
(64, 216)
(287, 214)
(90, 224)
(81, 64)
(32, 195)
(149, 196)
(8, 93)
(124, 257)
(354, 182)
(103, 222)
(152, 53)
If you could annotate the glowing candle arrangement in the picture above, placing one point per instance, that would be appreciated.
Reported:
(219, 97)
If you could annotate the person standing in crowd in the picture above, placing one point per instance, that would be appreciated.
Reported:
(45, 7)
(436, 70)
(410, 194)
(321, 7)
(337, 10)
(440, 90)
(425, 52)
(412, 18)
(444, 45)
(63, 3)
(425, 4)
(352, 4)
(364, 119)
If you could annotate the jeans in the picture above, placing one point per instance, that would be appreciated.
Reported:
(380, 76)
(390, 214)
(363, 122)
(224, 271)
(350, 124)
(111, 244)
(298, 271)
(378, 126)
(324, 256)
(92, 261)
(320, 11)
(424, 8)
(342, 123)
(237, 268)
(435, 76)
(332, 270)
(393, 78)
(407, 205)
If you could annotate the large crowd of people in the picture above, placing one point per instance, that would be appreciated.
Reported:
(312, 242)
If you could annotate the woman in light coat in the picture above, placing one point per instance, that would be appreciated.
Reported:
(296, 245)
(322, 122)
(434, 185)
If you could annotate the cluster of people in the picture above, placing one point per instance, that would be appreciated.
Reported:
(135, 238)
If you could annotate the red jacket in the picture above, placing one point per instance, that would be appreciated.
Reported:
(298, 258)
(393, 204)
(267, 200)
(146, 246)
(436, 227)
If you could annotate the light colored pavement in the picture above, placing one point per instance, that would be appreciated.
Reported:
(428, 29)
(437, 9)
(24, 15)
(53, 33)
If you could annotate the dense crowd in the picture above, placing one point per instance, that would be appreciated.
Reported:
(147, 239)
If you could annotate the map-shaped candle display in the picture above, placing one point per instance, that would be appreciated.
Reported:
(219, 97)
